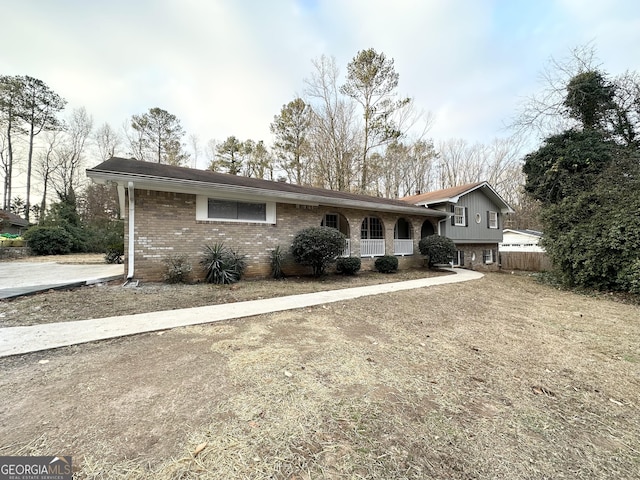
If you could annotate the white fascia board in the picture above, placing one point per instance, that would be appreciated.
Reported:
(238, 192)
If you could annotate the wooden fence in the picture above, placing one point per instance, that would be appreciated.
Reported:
(528, 261)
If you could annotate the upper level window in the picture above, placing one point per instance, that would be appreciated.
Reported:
(234, 210)
(460, 216)
(493, 220)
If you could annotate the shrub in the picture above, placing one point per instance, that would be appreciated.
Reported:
(386, 264)
(348, 265)
(114, 253)
(48, 240)
(437, 249)
(277, 256)
(177, 269)
(317, 247)
(222, 265)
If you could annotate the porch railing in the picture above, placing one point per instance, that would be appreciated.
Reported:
(372, 248)
(403, 246)
(347, 249)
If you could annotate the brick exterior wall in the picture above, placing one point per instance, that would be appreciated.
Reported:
(476, 263)
(165, 224)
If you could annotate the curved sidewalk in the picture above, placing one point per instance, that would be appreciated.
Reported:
(20, 340)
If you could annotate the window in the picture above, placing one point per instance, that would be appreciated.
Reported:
(487, 256)
(234, 210)
(330, 220)
(460, 216)
(371, 229)
(210, 209)
(402, 230)
(492, 221)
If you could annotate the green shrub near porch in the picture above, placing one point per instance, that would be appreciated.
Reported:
(387, 264)
(318, 247)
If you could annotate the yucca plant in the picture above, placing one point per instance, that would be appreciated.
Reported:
(277, 257)
(222, 265)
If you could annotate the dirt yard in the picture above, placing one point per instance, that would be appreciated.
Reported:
(496, 378)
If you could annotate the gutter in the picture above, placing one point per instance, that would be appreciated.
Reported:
(131, 256)
(205, 188)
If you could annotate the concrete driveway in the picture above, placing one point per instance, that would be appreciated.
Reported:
(23, 278)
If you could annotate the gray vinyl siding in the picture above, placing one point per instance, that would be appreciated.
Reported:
(476, 203)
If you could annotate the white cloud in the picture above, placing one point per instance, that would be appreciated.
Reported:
(226, 67)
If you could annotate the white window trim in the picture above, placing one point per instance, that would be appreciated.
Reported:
(202, 210)
(462, 215)
(488, 259)
(493, 219)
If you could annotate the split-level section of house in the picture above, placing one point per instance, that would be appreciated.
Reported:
(176, 211)
(475, 221)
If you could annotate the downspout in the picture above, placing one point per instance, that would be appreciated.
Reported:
(130, 257)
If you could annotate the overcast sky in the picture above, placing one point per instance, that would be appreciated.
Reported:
(226, 67)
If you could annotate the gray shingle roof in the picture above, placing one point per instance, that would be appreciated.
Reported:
(120, 168)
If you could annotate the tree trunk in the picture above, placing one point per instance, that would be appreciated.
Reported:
(27, 206)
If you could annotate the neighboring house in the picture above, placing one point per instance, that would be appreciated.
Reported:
(173, 210)
(520, 241)
(12, 223)
(474, 221)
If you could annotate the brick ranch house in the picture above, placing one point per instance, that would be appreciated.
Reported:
(174, 210)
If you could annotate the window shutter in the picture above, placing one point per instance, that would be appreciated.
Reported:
(495, 256)
(466, 216)
(462, 258)
(488, 219)
(453, 215)
(498, 220)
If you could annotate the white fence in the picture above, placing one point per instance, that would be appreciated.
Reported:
(372, 248)
(347, 249)
(403, 247)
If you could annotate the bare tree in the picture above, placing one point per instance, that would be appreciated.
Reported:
(194, 143)
(107, 140)
(543, 112)
(46, 166)
(69, 156)
(211, 153)
(334, 134)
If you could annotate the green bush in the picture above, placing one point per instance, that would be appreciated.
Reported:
(386, 264)
(348, 265)
(437, 249)
(48, 240)
(222, 265)
(114, 253)
(318, 247)
(177, 269)
(277, 257)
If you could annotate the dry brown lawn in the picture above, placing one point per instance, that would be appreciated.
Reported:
(496, 378)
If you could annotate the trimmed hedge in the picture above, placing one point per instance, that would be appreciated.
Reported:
(386, 264)
(348, 265)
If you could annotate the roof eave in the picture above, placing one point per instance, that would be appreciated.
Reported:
(198, 187)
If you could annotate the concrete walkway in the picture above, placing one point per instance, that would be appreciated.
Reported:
(24, 278)
(19, 340)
